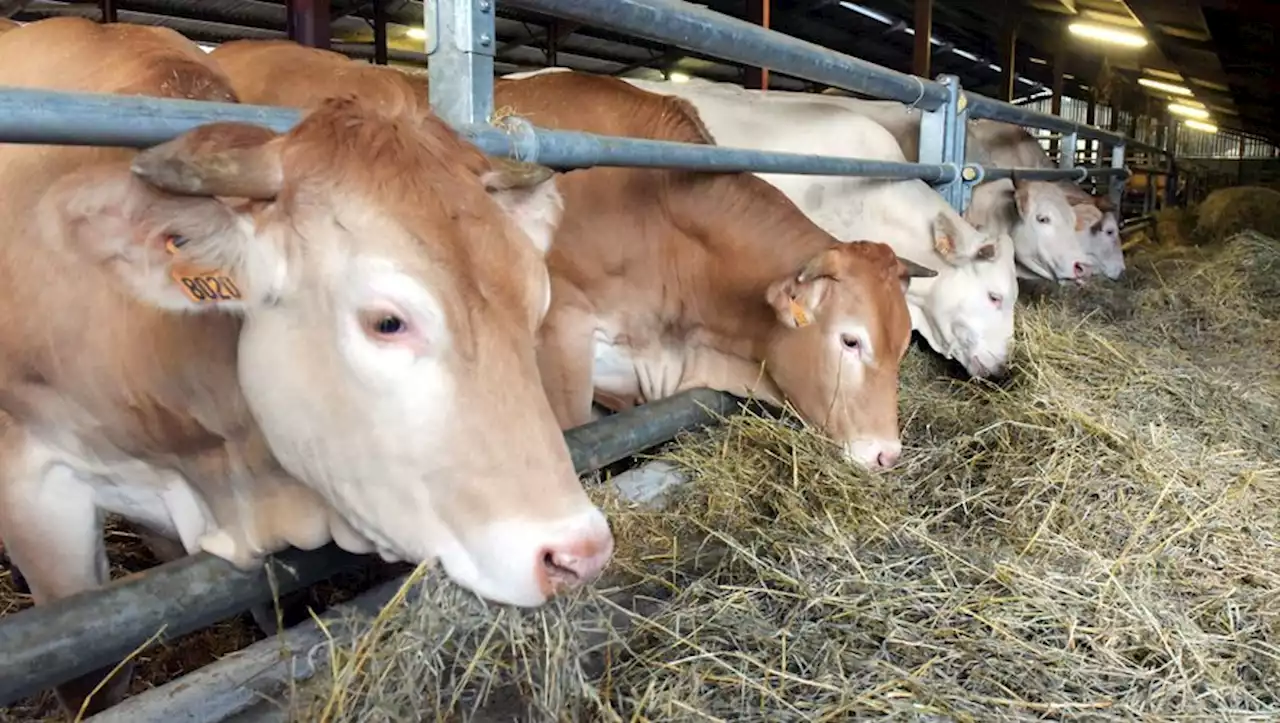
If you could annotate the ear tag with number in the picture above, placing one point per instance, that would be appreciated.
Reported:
(203, 286)
(799, 315)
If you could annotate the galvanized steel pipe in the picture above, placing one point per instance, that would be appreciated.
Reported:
(99, 119)
(694, 28)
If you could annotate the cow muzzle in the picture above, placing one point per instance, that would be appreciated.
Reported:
(874, 454)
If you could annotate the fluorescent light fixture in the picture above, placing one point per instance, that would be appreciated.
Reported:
(967, 55)
(1166, 87)
(1189, 111)
(1039, 61)
(677, 77)
(1201, 126)
(1107, 34)
(1024, 80)
(417, 33)
(867, 12)
(995, 67)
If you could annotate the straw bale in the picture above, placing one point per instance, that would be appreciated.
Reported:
(1229, 211)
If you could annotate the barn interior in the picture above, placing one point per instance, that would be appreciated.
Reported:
(1108, 520)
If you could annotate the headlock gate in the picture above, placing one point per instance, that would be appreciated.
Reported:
(51, 644)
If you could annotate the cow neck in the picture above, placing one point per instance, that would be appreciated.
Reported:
(748, 236)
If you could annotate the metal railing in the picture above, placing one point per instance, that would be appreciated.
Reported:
(53, 643)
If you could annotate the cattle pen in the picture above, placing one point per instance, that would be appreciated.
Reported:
(50, 644)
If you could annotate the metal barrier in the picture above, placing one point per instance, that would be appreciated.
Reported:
(53, 643)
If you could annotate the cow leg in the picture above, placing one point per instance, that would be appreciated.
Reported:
(565, 364)
(53, 533)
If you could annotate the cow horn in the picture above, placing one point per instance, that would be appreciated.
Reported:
(218, 159)
(916, 271)
(506, 174)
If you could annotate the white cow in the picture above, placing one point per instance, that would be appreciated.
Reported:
(966, 312)
(1101, 235)
(1102, 241)
(1038, 215)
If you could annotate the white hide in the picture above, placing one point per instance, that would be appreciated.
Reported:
(966, 312)
(1102, 242)
(1044, 234)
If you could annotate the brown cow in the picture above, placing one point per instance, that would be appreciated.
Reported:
(6, 25)
(668, 280)
(246, 341)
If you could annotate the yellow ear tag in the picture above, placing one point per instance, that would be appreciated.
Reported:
(798, 313)
(203, 286)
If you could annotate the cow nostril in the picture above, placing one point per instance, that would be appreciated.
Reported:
(887, 459)
(559, 569)
(1081, 270)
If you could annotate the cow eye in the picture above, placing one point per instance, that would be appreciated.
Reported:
(996, 299)
(850, 342)
(1042, 219)
(389, 325)
(384, 324)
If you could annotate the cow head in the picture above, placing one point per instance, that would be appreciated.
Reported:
(1099, 231)
(1102, 241)
(1045, 234)
(966, 312)
(843, 328)
(390, 280)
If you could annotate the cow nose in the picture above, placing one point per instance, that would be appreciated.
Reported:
(573, 563)
(1081, 270)
(888, 458)
(875, 454)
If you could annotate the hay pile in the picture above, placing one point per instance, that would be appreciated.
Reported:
(1229, 211)
(1098, 540)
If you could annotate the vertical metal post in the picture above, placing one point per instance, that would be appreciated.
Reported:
(108, 10)
(460, 46)
(308, 22)
(923, 54)
(1116, 188)
(757, 78)
(1009, 56)
(1092, 147)
(1067, 157)
(1055, 103)
(380, 32)
(942, 139)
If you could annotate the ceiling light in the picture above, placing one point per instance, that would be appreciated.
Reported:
(417, 33)
(1201, 126)
(1039, 61)
(676, 77)
(1166, 87)
(1107, 34)
(1188, 111)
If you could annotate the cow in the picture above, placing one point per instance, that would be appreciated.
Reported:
(1101, 234)
(249, 340)
(6, 25)
(667, 280)
(966, 312)
(1036, 214)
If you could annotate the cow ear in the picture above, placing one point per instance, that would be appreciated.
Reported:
(795, 298)
(1023, 192)
(1087, 215)
(156, 225)
(528, 194)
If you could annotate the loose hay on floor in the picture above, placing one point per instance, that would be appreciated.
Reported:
(1098, 540)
